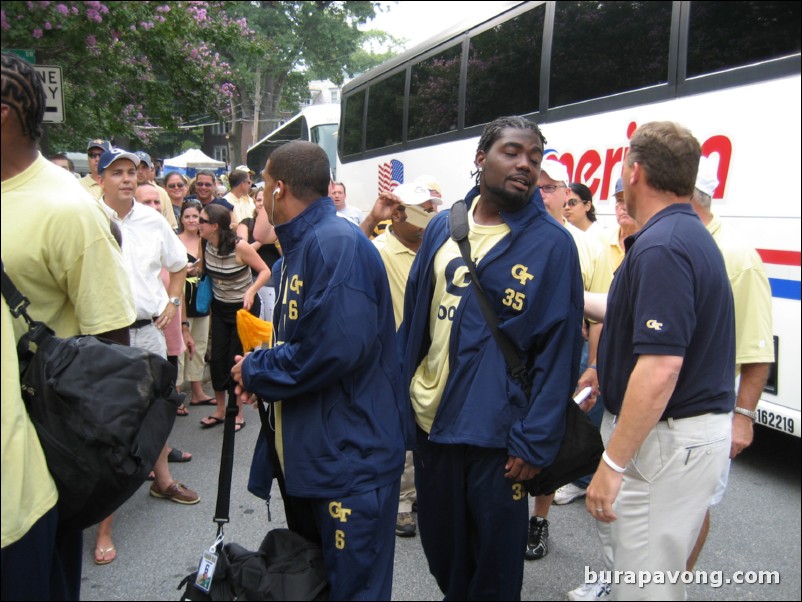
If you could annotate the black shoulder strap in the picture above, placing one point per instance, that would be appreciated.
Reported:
(458, 225)
(17, 302)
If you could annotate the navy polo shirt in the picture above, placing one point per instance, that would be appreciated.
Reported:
(671, 296)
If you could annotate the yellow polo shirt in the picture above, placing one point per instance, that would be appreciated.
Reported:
(751, 292)
(89, 184)
(167, 206)
(397, 262)
(596, 273)
(615, 253)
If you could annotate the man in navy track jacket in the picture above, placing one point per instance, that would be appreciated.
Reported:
(478, 433)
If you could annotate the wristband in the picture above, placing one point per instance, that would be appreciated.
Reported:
(612, 464)
(185, 323)
(748, 413)
(593, 367)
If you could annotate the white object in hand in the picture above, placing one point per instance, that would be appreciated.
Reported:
(582, 395)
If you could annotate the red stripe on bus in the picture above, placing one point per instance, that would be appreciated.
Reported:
(780, 257)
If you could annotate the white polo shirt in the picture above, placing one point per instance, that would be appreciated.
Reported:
(148, 245)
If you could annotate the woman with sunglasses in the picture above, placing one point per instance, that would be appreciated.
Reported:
(176, 186)
(579, 210)
(228, 260)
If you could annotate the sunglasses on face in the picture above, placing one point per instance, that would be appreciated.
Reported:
(203, 220)
(176, 185)
(94, 155)
(203, 184)
(573, 202)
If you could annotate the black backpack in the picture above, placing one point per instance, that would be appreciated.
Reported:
(102, 412)
(286, 567)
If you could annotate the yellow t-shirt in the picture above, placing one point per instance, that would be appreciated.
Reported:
(58, 249)
(752, 296)
(28, 490)
(429, 380)
(397, 263)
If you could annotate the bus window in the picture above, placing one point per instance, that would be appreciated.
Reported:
(504, 69)
(724, 35)
(385, 112)
(603, 48)
(434, 94)
(325, 135)
(352, 123)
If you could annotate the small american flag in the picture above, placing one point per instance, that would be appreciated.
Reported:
(391, 174)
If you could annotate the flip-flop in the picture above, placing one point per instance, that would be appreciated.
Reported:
(182, 410)
(204, 402)
(176, 455)
(214, 422)
(103, 551)
(238, 426)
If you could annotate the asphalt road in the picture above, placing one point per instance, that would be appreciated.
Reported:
(757, 527)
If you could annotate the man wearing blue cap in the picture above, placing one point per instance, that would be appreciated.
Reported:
(148, 245)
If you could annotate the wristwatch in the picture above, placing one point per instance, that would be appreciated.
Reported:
(748, 413)
(176, 301)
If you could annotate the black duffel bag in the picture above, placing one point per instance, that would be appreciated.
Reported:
(286, 567)
(102, 411)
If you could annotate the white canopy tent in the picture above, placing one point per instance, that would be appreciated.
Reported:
(193, 160)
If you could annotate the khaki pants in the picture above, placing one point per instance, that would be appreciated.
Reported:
(191, 369)
(667, 489)
(407, 495)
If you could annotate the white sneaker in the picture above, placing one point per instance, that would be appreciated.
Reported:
(596, 591)
(568, 493)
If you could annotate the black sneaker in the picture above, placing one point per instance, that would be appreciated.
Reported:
(537, 546)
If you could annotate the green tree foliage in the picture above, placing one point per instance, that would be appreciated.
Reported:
(129, 66)
(298, 42)
(133, 69)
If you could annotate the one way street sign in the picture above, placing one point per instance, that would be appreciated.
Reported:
(54, 92)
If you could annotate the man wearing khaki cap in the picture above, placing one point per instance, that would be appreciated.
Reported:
(91, 181)
(397, 246)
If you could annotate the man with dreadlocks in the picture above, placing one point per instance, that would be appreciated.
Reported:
(481, 431)
(58, 249)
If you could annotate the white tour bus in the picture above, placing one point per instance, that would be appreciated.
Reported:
(589, 73)
(315, 123)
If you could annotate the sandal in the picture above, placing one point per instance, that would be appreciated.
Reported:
(204, 402)
(176, 455)
(182, 410)
(211, 421)
(238, 426)
(100, 555)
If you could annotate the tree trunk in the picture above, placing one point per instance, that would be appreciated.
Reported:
(257, 105)
(234, 137)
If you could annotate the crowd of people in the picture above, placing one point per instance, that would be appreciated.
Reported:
(392, 410)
